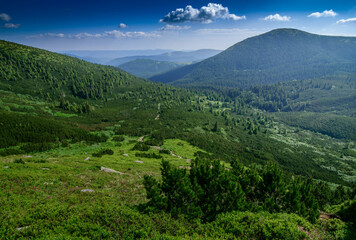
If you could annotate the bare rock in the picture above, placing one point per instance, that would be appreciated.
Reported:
(22, 228)
(87, 190)
(109, 170)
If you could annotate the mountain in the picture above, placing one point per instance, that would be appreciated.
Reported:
(104, 56)
(73, 131)
(147, 67)
(276, 56)
(49, 75)
(177, 56)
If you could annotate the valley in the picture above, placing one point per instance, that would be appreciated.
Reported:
(91, 151)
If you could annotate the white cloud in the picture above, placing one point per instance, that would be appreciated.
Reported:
(5, 17)
(122, 25)
(326, 13)
(170, 27)
(11, 25)
(107, 34)
(60, 35)
(346, 20)
(277, 17)
(119, 34)
(205, 14)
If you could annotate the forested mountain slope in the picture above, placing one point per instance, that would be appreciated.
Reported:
(50, 75)
(276, 56)
(130, 157)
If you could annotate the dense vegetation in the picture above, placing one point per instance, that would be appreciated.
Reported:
(276, 56)
(52, 76)
(209, 189)
(73, 164)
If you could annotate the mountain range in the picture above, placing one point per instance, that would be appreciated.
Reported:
(176, 56)
(146, 68)
(276, 56)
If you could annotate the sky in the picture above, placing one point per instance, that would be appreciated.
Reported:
(164, 24)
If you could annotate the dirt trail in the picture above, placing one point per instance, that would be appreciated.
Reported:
(141, 138)
(327, 216)
(159, 109)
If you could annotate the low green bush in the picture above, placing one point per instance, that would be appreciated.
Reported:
(102, 152)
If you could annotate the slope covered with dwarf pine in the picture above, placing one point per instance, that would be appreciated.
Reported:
(88, 166)
(276, 56)
(49, 75)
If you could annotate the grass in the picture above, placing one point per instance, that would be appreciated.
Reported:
(41, 197)
(60, 114)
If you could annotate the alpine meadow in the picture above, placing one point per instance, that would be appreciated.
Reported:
(211, 121)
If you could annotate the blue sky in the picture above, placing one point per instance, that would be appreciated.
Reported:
(130, 24)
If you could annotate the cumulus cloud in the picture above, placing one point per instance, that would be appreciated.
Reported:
(170, 27)
(11, 25)
(326, 13)
(107, 34)
(346, 20)
(205, 14)
(277, 17)
(122, 25)
(5, 17)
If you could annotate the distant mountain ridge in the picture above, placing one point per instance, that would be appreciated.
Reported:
(104, 56)
(276, 56)
(176, 56)
(146, 68)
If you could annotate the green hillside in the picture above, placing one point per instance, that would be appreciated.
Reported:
(276, 56)
(146, 68)
(49, 75)
(90, 151)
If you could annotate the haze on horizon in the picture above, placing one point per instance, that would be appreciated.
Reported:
(178, 25)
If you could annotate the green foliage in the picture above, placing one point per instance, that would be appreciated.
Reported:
(118, 138)
(209, 189)
(148, 155)
(58, 75)
(140, 146)
(19, 160)
(277, 56)
(102, 152)
(37, 133)
(347, 211)
(262, 225)
(164, 151)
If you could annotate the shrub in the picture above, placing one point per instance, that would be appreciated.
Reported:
(118, 138)
(36, 147)
(11, 151)
(209, 189)
(102, 152)
(19, 160)
(164, 151)
(148, 155)
(140, 146)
